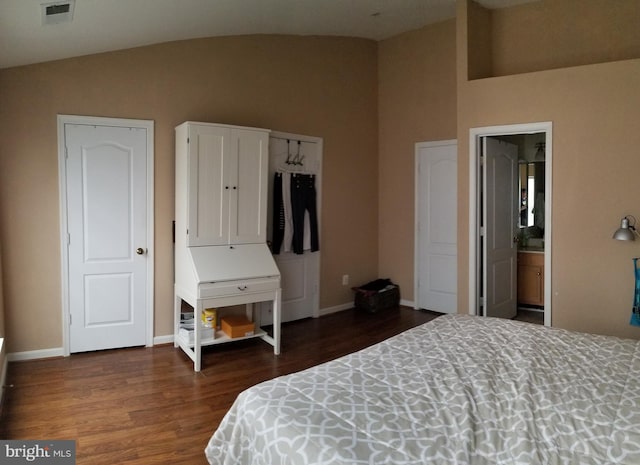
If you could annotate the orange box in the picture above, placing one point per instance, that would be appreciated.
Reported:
(237, 326)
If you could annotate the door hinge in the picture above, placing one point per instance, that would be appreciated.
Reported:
(70, 319)
(66, 152)
(188, 140)
(482, 231)
(68, 239)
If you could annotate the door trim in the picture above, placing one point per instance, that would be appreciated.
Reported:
(475, 135)
(416, 214)
(64, 233)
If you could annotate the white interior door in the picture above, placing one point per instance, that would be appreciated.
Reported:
(106, 193)
(436, 228)
(500, 222)
(300, 274)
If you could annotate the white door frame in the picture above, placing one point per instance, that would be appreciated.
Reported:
(475, 135)
(64, 233)
(416, 215)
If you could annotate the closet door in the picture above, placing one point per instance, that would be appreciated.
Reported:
(436, 226)
(300, 274)
(247, 175)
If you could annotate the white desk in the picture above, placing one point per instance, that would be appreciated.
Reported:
(223, 276)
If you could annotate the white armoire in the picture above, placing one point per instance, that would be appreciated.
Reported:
(221, 255)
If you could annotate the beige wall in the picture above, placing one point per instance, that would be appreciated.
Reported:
(552, 34)
(322, 87)
(417, 103)
(595, 110)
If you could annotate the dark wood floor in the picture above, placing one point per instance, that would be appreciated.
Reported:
(147, 406)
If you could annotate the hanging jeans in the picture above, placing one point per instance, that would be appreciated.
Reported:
(303, 198)
(278, 214)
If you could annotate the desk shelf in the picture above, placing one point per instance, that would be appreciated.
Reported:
(220, 338)
(193, 348)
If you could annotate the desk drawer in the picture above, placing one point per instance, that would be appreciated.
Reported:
(244, 286)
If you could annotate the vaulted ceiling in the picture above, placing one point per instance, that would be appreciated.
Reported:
(105, 25)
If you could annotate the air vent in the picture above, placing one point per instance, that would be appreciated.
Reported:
(57, 12)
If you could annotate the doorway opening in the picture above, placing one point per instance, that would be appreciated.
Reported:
(501, 166)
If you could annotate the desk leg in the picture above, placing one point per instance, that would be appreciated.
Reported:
(177, 308)
(197, 343)
(277, 317)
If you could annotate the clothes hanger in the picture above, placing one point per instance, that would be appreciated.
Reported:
(294, 163)
(297, 160)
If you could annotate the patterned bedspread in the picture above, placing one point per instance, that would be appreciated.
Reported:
(456, 390)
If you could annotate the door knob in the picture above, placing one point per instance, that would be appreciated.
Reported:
(139, 250)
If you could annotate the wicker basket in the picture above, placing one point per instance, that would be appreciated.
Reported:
(374, 301)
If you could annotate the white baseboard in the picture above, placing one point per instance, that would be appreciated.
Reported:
(408, 303)
(348, 305)
(337, 308)
(35, 354)
(167, 339)
(59, 352)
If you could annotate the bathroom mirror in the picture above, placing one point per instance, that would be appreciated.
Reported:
(531, 180)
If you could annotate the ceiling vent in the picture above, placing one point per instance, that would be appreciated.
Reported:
(57, 12)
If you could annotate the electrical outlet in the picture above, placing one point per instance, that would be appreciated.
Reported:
(345, 279)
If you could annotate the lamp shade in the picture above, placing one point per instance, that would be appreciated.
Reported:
(624, 233)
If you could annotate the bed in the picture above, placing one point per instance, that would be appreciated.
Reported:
(456, 390)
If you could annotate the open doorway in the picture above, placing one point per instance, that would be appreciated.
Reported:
(501, 165)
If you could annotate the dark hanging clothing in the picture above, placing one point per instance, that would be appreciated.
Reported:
(303, 198)
(278, 214)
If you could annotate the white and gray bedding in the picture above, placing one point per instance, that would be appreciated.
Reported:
(456, 390)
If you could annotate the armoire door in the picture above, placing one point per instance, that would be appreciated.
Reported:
(248, 178)
(209, 152)
(227, 185)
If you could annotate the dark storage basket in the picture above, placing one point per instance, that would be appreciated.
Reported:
(374, 301)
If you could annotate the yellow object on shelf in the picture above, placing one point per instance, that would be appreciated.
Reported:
(209, 318)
